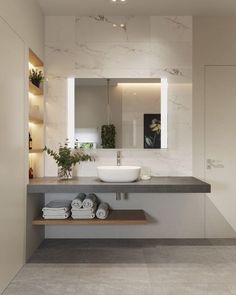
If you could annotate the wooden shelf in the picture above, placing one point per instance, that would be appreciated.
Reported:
(115, 217)
(34, 59)
(35, 120)
(35, 151)
(34, 89)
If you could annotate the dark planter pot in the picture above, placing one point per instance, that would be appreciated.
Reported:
(36, 83)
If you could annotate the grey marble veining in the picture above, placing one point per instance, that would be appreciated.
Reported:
(130, 267)
(182, 184)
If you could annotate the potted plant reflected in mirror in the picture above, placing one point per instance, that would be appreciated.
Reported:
(66, 158)
(36, 77)
(108, 136)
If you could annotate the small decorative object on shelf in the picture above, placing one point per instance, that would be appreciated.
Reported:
(66, 158)
(36, 77)
(30, 141)
(108, 136)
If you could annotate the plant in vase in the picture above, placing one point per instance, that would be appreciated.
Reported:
(66, 158)
(36, 77)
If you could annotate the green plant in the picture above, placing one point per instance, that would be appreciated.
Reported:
(36, 77)
(108, 136)
(66, 157)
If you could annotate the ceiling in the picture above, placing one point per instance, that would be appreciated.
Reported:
(139, 7)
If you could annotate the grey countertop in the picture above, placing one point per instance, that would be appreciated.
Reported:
(168, 184)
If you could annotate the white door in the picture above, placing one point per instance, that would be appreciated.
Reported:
(220, 138)
(12, 154)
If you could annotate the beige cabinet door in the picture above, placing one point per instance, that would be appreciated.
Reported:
(220, 139)
(12, 154)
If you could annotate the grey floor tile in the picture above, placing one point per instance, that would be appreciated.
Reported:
(183, 254)
(232, 288)
(181, 273)
(225, 272)
(190, 289)
(127, 267)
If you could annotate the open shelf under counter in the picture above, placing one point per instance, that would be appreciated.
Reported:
(168, 184)
(115, 217)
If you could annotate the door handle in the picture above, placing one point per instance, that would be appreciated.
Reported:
(214, 164)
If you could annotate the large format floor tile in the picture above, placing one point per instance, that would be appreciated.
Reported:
(129, 267)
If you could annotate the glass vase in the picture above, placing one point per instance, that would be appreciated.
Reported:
(64, 173)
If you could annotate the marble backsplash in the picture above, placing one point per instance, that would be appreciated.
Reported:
(145, 47)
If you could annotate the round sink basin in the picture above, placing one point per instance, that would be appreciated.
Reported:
(118, 173)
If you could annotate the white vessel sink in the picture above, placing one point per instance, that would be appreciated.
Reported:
(118, 173)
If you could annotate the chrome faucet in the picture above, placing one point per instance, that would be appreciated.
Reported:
(118, 158)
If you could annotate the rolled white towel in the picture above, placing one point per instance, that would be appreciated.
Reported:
(78, 201)
(102, 211)
(90, 201)
(84, 210)
(58, 205)
(83, 216)
(59, 216)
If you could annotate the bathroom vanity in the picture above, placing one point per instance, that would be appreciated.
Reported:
(169, 184)
(39, 187)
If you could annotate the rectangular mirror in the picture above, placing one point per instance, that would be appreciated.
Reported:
(120, 113)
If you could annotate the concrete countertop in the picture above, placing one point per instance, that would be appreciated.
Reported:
(168, 184)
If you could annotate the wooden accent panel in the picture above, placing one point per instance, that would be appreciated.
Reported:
(115, 217)
(34, 59)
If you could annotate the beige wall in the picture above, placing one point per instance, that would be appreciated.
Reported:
(214, 43)
(21, 26)
(26, 19)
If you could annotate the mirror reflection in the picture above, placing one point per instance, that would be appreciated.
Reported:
(121, 113)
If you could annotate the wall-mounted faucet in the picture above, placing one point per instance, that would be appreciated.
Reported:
(118, 158)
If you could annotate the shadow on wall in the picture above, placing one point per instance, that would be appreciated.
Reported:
(216, 224)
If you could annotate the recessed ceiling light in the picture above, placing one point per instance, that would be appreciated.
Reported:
(113, 0)
(122, 0)
(114, 25)
(122, 25)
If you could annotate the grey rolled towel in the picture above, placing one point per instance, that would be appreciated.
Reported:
(78, 201)
(102, 211)
(90, 201)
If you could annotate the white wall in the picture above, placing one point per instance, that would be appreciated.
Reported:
(21, 25)
(149, 47)
(213, 44)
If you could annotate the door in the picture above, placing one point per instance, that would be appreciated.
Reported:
(220, 139)
(12, 154)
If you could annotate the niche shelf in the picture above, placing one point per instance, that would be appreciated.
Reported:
(35, 151)
(37, 130)
(34, 59)
(34, 89)
(36, 120)
(119, 217)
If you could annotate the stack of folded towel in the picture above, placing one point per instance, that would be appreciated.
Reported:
(57, 209)
(84, 207)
